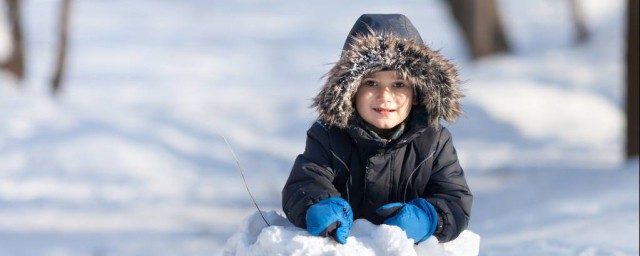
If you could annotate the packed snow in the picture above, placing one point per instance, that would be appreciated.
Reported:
(130, 160)
(254, 237)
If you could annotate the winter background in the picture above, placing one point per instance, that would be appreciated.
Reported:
(130, 160)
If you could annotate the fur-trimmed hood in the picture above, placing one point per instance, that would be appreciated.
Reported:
(389, 42)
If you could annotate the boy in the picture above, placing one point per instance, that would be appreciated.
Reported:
(377, 150)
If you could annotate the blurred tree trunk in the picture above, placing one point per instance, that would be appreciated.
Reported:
(62, 46)
(481, 25)
(582, 35)
(633, 103)
(15, 62)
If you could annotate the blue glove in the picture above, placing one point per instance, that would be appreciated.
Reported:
(417, 218)
(330, 217)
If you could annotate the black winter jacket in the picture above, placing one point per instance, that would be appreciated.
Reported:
(368, 174)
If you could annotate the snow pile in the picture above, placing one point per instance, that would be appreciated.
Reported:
(253, 237)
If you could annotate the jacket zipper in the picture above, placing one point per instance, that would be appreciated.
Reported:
(366, 174)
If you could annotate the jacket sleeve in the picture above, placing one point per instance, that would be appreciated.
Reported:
(447, 190)
(311, 177)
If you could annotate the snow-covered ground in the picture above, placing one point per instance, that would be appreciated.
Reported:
(130, 159)
(280, 237)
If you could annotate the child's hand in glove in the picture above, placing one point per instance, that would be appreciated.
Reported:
(330, 217)
(417, 218)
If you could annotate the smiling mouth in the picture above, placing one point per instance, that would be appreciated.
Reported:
(384, 111)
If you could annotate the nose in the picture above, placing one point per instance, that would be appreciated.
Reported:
(385, 94)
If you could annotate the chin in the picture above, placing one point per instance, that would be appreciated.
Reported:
(385, 125)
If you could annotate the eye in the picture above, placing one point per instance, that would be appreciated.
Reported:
(370, 83)
(399, 85)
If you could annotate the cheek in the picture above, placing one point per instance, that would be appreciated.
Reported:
(404, 100)
(360, 100)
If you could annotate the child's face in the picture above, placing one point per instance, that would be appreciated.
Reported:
(384, 99)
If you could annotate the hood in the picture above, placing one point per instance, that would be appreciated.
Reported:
(389, 42)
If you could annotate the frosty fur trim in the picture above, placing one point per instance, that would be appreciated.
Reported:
(435, 79)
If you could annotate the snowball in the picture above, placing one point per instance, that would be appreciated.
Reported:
(254, 237)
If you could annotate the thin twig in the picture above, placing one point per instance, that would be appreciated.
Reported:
(244, 180)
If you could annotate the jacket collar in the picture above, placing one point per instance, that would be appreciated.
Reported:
(368, 140)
